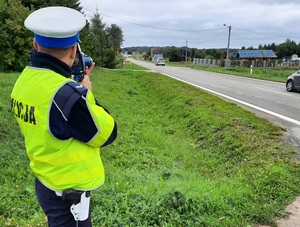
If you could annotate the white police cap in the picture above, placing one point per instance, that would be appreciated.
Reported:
(55, 26)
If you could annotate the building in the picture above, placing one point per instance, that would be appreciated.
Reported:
(255, 54)
(156, 52)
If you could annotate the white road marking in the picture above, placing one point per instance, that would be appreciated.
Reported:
(279, 92)
(285, 118)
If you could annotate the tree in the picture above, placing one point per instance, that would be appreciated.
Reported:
(86, 42)
(115, 35)
(15, 38)
(102, 52)
(200, 53)
(37, 4)
(174, 54)
(287, 49)
(213, 54)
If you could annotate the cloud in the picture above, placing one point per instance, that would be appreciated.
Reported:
(200, 22)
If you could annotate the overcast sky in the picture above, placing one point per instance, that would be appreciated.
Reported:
(200, 23)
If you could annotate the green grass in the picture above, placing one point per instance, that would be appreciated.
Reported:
(182, 158)
(278, 74)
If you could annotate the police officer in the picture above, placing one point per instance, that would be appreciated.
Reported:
(63, 126)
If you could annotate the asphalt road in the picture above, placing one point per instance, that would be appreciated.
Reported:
(264, 96)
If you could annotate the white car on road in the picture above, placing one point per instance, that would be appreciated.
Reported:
(160, 61)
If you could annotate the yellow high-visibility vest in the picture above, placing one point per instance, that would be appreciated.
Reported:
(58, 164)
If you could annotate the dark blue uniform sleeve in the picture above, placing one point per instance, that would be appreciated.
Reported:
(70, 117)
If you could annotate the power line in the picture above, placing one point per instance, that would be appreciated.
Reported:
(194, 30)
(158, 28)
(263, 33)
(211, 38)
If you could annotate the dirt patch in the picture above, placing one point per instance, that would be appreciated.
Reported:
(293, 219)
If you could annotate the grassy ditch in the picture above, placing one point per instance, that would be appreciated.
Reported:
(182, 158)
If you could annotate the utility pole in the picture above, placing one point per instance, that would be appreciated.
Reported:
(229, 31)
(186, 52)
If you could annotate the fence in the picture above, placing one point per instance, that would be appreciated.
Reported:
(246, 63)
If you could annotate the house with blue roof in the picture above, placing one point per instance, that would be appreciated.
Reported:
(254, 54)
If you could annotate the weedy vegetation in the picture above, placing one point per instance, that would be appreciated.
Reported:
(182, 158)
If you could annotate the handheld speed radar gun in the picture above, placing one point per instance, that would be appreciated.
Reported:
(81, 61)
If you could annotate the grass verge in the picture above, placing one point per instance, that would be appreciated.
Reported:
(278, 74)
(182, 158)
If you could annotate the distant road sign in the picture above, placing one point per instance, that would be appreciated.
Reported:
(126, 62)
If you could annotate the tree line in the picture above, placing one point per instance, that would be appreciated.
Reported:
(176, 54)
(98, 40)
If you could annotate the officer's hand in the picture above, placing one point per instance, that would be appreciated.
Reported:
(88, 70)
(86, 82)
(91, 67)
